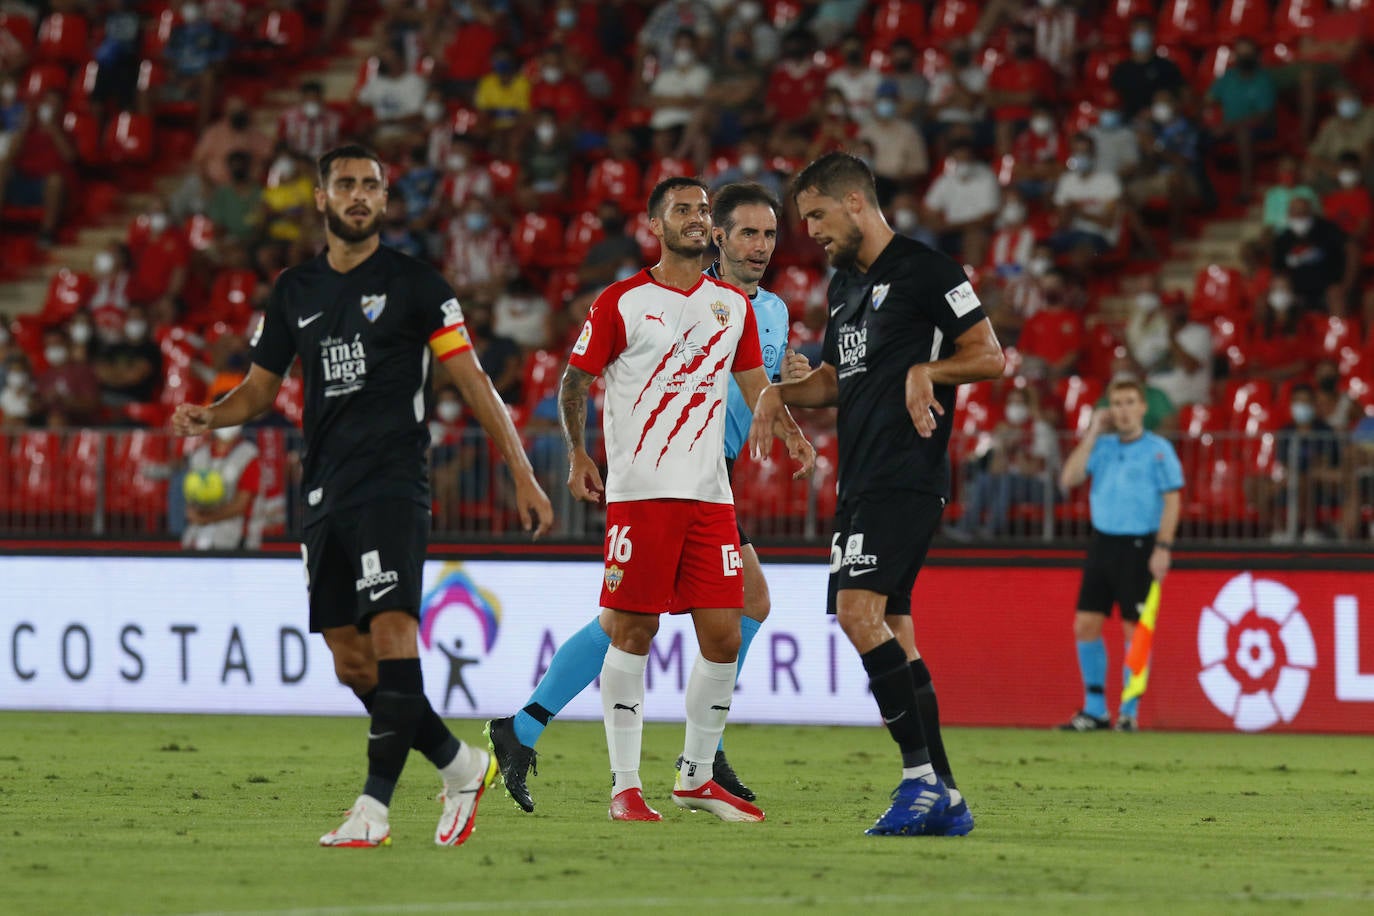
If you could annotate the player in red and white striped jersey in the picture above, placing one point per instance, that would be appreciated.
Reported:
(667, 341)
(310, 128)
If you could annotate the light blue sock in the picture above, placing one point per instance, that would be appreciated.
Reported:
(748, 629)
(1128, 707)
(571, 670)
(1092, 663)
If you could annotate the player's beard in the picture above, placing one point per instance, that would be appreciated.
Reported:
(844, 251)
(348, 233)
(679, 245)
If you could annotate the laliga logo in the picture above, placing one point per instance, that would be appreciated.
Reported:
(446, 628)
(1257, 653)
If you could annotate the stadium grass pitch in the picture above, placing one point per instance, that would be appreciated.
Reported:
(151, 814)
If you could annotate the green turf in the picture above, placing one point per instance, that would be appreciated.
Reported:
(180, 814)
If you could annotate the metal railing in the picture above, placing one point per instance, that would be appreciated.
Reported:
(128, 483)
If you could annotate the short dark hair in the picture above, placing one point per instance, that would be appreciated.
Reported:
(660, 191)
(733, 196)
(836, 174)
(347, 151)
(1128, 382)
(1302, 388)
(312, 87)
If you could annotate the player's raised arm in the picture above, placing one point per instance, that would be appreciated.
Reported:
(250, 398)
(752, 383)
(536, 512)
(584, 479)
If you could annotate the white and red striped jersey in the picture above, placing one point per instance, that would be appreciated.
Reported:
(667, 356)
(309, 136)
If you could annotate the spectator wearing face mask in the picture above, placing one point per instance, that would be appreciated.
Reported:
(957, 99)
(110, 272)
(464, 178)
(795, 84)
(233, 207)
(1307, 464)
(416, 186)
(750, 164)
(396, 231)
(522, 314)
(232, 133)
(1281, 347)
(160, 261)
(855, 80)
(545, 162)
(504, 93)
(1138, 79)
(1020, 459)
(40, 167)
(1051, 340)
(904, 215)
(288, 199)
(1016, 84)
(1350, 206)
(194, 51)
(1116, 140)
(1038, 153)
(680, 87)
(467, 44)
(1013, 244)
(18, 395)
(459, 460)
(1287, 186)
(900, 157)
(309, 128)
(395, 97)
(912, 87)
(479, 260)
(1174, 353)
(129, 366)
(1171, 164)
(221, 483)
(1248, 97)
(68, 391)
(1318, 257)
(1349, 128)
(1088, 203)
(665, 25)
(962, 203)
(562, 93)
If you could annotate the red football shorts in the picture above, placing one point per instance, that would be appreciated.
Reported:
(671, 555)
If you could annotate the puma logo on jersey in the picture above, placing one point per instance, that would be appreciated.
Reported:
(658, 318)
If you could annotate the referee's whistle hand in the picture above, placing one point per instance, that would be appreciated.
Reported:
(190, 420)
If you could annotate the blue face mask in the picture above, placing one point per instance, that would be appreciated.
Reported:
(1142, 42)
(1110, 119)
(885, 108)
(566, 19)
(476, 222)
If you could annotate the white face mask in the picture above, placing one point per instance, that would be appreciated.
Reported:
(1280, 300)
(904, 220)
(433, 112)
(135, 329)
(448, 411)
(103, 263)
(191, 13)
(311, 109)
(16, 378)
(157, 222)
(56, 355)
(551, 74)
(227, 433)
(1041, 125)
(457, 162)
(1162, 112)
(80, 333)
(1146, 302)
(46, 112)
(285, 168)
(1013, 213)
(1348, 108)
(1348, 178)
(1039, 266)
(751, 163)
(1303, 413)
(8, 93)
(684, 58)
(1017, 413)
(546, 132)
(749, 12)
(1301, 225)
(436, 431)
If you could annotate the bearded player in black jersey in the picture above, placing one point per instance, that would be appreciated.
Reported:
(905, 329)
(367, 323)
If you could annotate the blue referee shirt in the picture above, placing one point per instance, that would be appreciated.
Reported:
(1129, 480)
(770, 313)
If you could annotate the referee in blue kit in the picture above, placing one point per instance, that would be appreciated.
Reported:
(1134, 501)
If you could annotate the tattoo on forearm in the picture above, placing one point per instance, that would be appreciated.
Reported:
(572, 406)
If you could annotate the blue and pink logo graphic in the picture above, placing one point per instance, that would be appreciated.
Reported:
(442, 631)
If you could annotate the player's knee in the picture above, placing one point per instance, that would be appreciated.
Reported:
(1087, 627)
(355, 672)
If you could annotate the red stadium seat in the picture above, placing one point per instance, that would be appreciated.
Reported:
(1096, 76)
(19, 29)
(284, 31)
(81, 87)
(1242, 19)
(367, 68)
(667, 167)
(1116, 19)
(798, 287)
(43, 78)
(543, 370)
(583, 232)
(158, 33)
(1214, 63)
(38, 473)
(1182, 60)
(67, 293)
(1245, 398)
(63, 38)
(231, 296)
(617, 181)
(1078, 399)
(200, 232)
(1185, 22)
(136, 483)
(1336, 334)
(895, 19)
(84, 460)
(504, 177)
(1217, 291)
(1294, 18)
(129, 139)
(952, 19)
(538, 240)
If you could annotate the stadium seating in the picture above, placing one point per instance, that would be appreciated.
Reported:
(63, 39)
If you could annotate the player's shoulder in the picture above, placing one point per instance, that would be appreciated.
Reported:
(922, 263)
(1159, 444)
(766, 298)
(398, 263)
(305, 272)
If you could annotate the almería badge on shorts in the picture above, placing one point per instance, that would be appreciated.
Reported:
(614, 576)
(372, 306)
(721, 311)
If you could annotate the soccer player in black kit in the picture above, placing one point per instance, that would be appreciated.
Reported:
(905, 329)
(367, 323)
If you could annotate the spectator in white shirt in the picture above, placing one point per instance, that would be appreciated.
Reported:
(899, 150)
(677, 92)
(956, 97)
(1088, 203)
(1118, 143)
(855, 79)
(396, 97)
(962, 204)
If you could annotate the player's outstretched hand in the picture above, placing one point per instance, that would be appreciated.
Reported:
(536, 512)
(804, 453)
(795, 367)
(920, 401)
(584, 479)
(190, 420)
(766, 412)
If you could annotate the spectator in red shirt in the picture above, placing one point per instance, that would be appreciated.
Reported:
(68, 391)
(562, 94)
(1325, 49)
(1017, 84)
(159, 268)
(38, 174)
(1281, 347)
(1350, 207)
(836, 130)
(795, 85)
(1039, 154)
(466, 50)
(1051, 340)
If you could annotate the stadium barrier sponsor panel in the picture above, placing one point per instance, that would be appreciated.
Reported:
(1234, 649)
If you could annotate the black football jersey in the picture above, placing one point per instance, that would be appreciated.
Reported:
(363, 338)
(909, 308)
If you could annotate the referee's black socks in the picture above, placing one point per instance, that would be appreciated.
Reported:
(889, 677)
(398, 709)
(929, 709)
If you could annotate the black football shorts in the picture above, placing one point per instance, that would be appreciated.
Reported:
(880, 542)
(1117, 572)
(363, 560)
